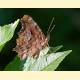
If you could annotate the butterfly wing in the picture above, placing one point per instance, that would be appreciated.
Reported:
(31, 39)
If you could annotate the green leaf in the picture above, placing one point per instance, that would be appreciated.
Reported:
(7, 32)
(55, 49)
(46, 61)
(54, 64)
(14, 65)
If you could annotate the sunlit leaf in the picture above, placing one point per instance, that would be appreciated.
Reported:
(45, 61)
(7, 32)
(57, 58)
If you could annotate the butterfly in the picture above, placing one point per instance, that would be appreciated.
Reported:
(31, 39)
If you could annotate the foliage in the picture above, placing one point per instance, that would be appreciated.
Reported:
(49, 58)
(7, 32)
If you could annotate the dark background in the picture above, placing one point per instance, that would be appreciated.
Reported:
(66, 33)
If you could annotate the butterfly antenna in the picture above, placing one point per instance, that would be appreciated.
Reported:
(50, 26)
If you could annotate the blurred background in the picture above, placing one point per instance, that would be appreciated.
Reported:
(66, 32)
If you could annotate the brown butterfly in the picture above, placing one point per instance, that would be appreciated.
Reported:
(30, 39)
